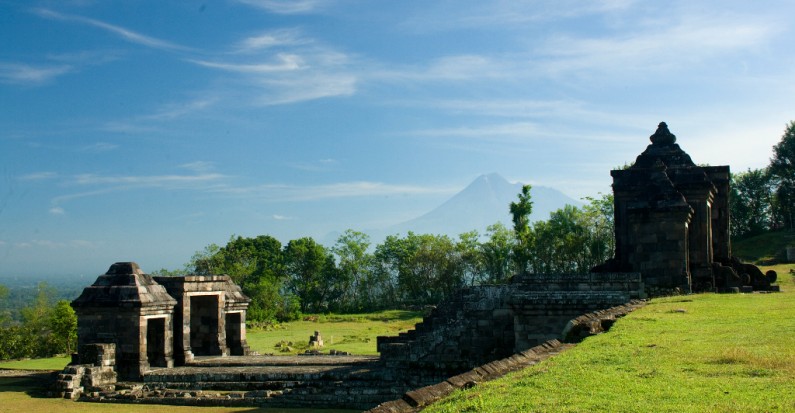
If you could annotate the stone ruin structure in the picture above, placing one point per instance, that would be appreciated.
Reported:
(129, 322)
(672, 223)
(672, 236)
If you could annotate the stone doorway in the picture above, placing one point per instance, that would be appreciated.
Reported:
(234, 339)
(204, 325)
(156, 342)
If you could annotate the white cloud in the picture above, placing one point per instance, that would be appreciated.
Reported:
(278, 217)
(177, 110)
(122, 32)
(146, 181)
(284, 6)
(677, 46)
(57, 211)
(50, 244)
(361, 189)
(322, 165)
(107, 184)
(303, 88)
(271, 39)
(17, 73)
(199, 166)
(450, 68)
(506, 13)
(284, 62)
(99, 147)
(39, 176)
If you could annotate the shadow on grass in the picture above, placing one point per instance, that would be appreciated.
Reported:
(36, 385)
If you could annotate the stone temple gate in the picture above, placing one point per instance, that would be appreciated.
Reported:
(672, 223)
(160, 321)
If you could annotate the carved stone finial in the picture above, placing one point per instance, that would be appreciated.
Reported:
(663, 136)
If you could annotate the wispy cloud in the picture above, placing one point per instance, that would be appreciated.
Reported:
(360, 189)
(284, 6)
(98, 185)
(24, 74)
(278, 217)
(39, 176)
(509, 130)
(57, 211)
(675, 46)
(199, 166)
(450, 68)
(284, 62)
(322, 165)
(161, 181)
(42, 243)
(124, 33)
(99, 147)
(506, 13)
(177, 110)
(269, 40)
(304, 88)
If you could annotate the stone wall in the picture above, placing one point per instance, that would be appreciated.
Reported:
(481, 324)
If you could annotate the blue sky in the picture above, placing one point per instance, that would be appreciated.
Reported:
(146, 130)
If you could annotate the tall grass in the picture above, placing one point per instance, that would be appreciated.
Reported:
(698, 353)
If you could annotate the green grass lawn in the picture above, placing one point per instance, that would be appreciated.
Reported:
(764, 247)
(51, 363)
(354, 333)
(698, 353)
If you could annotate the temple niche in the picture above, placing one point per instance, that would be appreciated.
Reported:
(672, 223)
(152, 322)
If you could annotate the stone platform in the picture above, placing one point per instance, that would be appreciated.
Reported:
(264, 372)
(311, 381)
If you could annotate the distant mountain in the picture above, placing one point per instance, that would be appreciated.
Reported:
(484, 202)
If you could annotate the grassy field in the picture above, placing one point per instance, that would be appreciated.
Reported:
(765, 247)
(354, 333)
(52, 363)
(699, 353)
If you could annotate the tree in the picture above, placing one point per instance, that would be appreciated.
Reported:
(63, 323)
(421, 269)
(257, 265)
(311, 274)
(355, 266)
(782, 170)
(496, 254)
(5, 316)
(469, 258)
(520, 212)
(751, 203)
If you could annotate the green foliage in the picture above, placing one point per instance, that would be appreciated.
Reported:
(751, 203)
(311, 274)
(355, 271)
(520, 214)
(782, 169)
(573, 240)
(496, 255)
(708, 352)
(63, 323)
(45, 328)
(425, 267)
(5, 313)
(764, 247)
